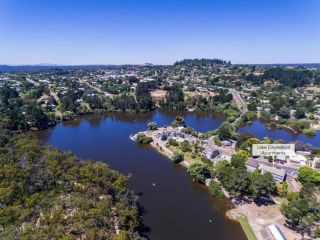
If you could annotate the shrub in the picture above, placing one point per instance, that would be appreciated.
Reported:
(215, 190)
(309, 131)
(185, 146)
(179, 121)
(207, 161)
(177, 157)
(143, 139)
(152, 126)
(199, 171)
(309, 175)
(231, 119)
(217, 141)
(173, 142)
(164, 137)
(190, 131)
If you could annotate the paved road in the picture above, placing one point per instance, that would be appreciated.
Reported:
(95, 88)
(33, 82)
(239, 101)
(280, 166)
(55, 95)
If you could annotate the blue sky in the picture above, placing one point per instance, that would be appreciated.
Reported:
(161, 32)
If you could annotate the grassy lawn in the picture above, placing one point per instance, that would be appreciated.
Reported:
(187, 155)
(246, 227)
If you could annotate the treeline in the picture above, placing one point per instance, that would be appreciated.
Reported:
(174, 99)
(219, 103)
(141, 102)
(302, 208)
(46, 194)
(235, 178)
(21, 113)
(288, 77)
(201, 62)
(35, 108)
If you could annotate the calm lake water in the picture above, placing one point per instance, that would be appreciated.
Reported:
(177, 208)
(260, 130)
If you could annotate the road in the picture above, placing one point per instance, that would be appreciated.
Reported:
(33, 82)
(239, 101)
(37, 85)
(55, 95)
(296, 90)
(95, 88)
(289, 170)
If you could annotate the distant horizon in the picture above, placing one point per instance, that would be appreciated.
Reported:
(146, 63)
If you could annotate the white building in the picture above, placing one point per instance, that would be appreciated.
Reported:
(276, 232)
(298, 159)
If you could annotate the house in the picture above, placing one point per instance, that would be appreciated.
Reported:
(211, 152)
(298, 159)
(214, 153)
(281, 159)
(292, 112)
(276, 232)
(278, 174)
(315, 162)
(251, 165)
(225, 143)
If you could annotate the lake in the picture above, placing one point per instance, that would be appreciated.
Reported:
(177, 207)
(260, 130)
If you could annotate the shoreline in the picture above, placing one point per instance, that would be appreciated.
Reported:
(168, 154)
(253, 219)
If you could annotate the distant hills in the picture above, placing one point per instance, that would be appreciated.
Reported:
(308, 65)
(45, 67)
(53, 67)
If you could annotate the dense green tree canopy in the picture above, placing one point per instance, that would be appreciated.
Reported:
(199, 171)
(225, 131)
(309, 175)
(302, 211)
(46, 194)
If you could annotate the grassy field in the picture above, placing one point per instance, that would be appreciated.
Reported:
(246, 227)
(187, 155)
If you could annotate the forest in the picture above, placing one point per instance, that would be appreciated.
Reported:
(201, 62)
(47, 194)
(288, 77)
